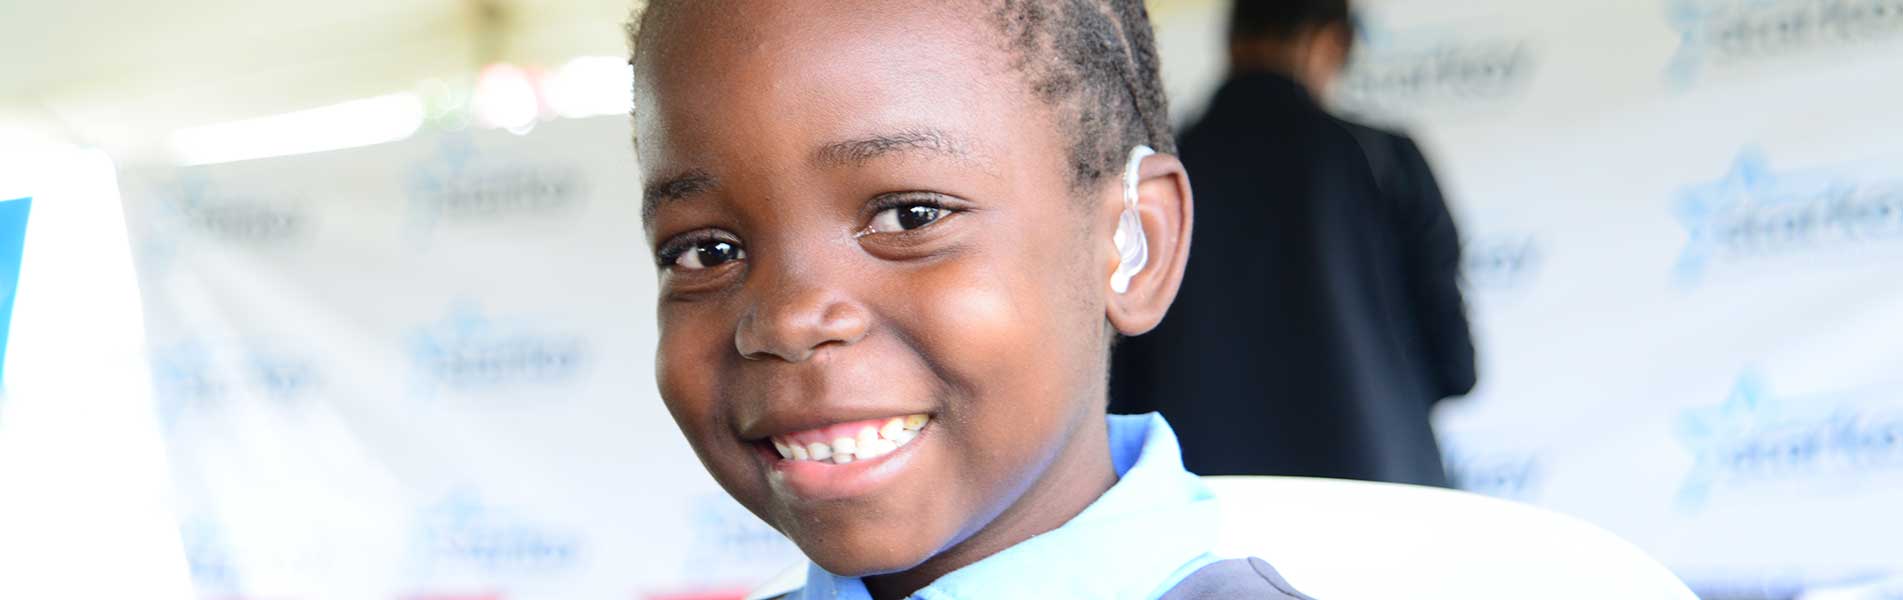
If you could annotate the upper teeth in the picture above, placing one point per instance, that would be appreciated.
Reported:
(869, 442)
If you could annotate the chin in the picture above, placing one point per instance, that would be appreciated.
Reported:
(869, 565)
(853, 554)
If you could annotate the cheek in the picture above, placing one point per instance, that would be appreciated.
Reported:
(1021, 345)
(696, 356)
(987, 325)
(1030, 292)
(681, 368)
(687, 370)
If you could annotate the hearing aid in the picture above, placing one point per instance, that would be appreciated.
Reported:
(1133, 247)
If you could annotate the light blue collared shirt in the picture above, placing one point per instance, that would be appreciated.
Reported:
(1152, 529)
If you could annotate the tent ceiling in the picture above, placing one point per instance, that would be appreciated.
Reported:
(120, 74)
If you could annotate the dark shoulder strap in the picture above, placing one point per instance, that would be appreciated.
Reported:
(1234, 578)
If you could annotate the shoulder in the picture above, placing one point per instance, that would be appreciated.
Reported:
(1258, 124)
(1234, 578)
(1372, 135)
(1360, 125)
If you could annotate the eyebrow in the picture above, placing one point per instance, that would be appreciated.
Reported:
(673, 188)
(859, 151)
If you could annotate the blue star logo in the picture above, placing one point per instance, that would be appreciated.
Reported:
(1756, 437)
(207, 553)
(460, 508)
(431, 179)
(1754, 212)
(462, 323)
(1701, 206)
(461, 530)
(1712, 434)
(1395, 72)
(470, 352)
(183, 381)
(157, 243)
(435, 347)
(1688, 17)
(1713, 32)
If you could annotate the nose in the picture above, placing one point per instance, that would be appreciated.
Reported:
(794, 321)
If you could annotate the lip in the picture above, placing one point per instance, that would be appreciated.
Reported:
(777, 423)
(817, 481)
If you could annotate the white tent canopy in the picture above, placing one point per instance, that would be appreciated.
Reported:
(122, 75)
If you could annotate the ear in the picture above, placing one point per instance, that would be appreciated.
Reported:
(1330, 49)
(1167, 211)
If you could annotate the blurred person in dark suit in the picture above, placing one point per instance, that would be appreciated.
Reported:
(1320, 319)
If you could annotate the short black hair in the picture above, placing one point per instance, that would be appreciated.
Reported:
(1094, 61)
(1282, 19)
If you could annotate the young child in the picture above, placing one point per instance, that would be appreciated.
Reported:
(897, 240)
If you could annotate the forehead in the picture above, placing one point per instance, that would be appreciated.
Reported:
(711, 74)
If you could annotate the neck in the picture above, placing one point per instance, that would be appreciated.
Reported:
(1264, 58)
(1079, 474)
(1300, 59)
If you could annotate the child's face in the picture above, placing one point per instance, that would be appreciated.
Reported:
(865, 214)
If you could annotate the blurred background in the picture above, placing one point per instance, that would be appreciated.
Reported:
(347, 299)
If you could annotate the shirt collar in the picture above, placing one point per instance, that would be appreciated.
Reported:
(1250, 92)
(1148, 532)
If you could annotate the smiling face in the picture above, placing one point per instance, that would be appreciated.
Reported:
(863, 215)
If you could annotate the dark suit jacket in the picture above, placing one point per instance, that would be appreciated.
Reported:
(1320, 318)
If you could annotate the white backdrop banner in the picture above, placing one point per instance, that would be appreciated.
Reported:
(424, 369)
(1684, 222)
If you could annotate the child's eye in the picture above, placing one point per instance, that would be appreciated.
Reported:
(701, 253)
(907, 217)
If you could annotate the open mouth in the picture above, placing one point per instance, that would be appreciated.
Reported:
(844, 443)
(846, 460)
